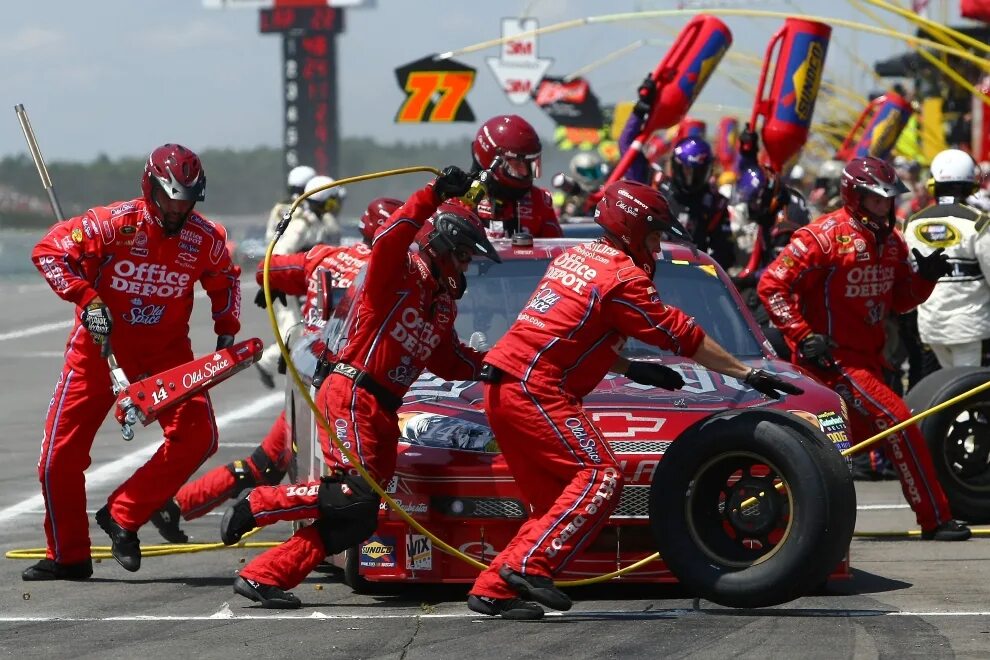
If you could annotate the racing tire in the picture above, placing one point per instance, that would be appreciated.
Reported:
(784, 548)
(352, 571)
(958, 438)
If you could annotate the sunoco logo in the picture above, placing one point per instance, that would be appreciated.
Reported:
(376, 550)
(807, 78)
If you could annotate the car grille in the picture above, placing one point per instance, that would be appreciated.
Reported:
(639, 446)
(480, 507)
(634, 502)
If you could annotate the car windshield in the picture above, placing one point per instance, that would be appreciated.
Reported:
(496, 293)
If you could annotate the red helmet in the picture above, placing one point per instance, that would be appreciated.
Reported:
(453, 234)
(515, 142)
(873, 176)
(629, 211)
(375, 215)
(178, 173)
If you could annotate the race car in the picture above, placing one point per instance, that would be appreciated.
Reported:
(780, 458)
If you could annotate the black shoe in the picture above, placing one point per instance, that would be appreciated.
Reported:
(266, 378)
(508, 608)
(269, 596)
(166, 521)
(536, 587)
(948, 531)
(124, 544)
(49, 569)
(237, 520)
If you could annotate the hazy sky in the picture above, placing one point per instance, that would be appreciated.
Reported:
(122, 76)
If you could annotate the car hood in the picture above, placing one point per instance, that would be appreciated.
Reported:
(619, 407)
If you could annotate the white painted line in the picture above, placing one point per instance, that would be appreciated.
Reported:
(226, 614)
(35, 330)
(113, 471)
(880, 507)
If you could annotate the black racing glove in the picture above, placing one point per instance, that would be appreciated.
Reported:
(651, 373)
(451, 182)
(767, 383)
(96, 319)
(646, 95)
(259, 298)
(815, 346)
(934, 266)
(224, 341)
(749, 144)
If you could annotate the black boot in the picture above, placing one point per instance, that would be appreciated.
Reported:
(508, 608)
(166, 521)
(952, 530)
(49, 569)
(536, 587)
(124, 544)
(269, 596)
(237, 520)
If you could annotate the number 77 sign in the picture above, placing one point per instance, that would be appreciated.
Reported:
(436, 91)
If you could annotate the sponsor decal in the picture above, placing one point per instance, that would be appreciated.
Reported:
(571, 271)
(843, 239)
(860, 245)
(543, 300)
(869, 281)
(585, 440)
(477, 549)
(416, 336)
(148, 280)
(189, 236)
(603, 494)
(186, 260)
(191, 248)
(144, 314)
(66, 243)
(378, 552)
(128, 229)
(787, 261)
(206, 372)
(139, 252)
(416, 506)
(89, 228)
(626, 424)
(419, 552)
(936, 234)
(77, 235)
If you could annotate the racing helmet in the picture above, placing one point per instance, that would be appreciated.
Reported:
(323, 201)
(172, 183)
(378, 211)
(870, 176)
(954, 174)
(588, 169)
(453, 235)
(759, 188)
(299, 176)
(512, 140)
(629, 211)
(691, 164)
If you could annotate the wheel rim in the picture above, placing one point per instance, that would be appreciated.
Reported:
(717, 523)
(966, 449)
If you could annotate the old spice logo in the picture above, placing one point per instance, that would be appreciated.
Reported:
(543, 300)
(628, 209)
(206, 372)
(377, 549)
(144, 315)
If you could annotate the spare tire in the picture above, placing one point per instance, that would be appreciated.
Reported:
(958, 438)
(779, 549)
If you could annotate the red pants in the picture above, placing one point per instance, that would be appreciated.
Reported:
(873, 407)
(371, 433)
(565, 470)
(199, 497)
(81, 401)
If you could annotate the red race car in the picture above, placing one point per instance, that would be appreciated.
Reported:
(747, 499)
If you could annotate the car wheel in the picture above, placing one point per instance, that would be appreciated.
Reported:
(352, 571)
(958, 438)
(780, 549)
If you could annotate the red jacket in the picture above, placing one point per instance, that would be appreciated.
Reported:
(301, 274)
(533, 212)
(834, 279)
(146, 278)
(401, 323)
(590, 300)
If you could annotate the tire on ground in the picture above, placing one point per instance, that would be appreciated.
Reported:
(748, 558)
(958, 439)
(352, 571)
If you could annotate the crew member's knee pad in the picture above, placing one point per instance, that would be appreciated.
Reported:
(269, 471)
(243, 477)
(348, 512)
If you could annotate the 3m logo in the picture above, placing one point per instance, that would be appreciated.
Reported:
(623, 424)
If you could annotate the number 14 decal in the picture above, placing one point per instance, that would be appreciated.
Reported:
(159, 396)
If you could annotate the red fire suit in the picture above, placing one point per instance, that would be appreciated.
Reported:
(566, 338)
(402, 324)
(533, 213)
(295, 275)
(834, 279)
(121, 254)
